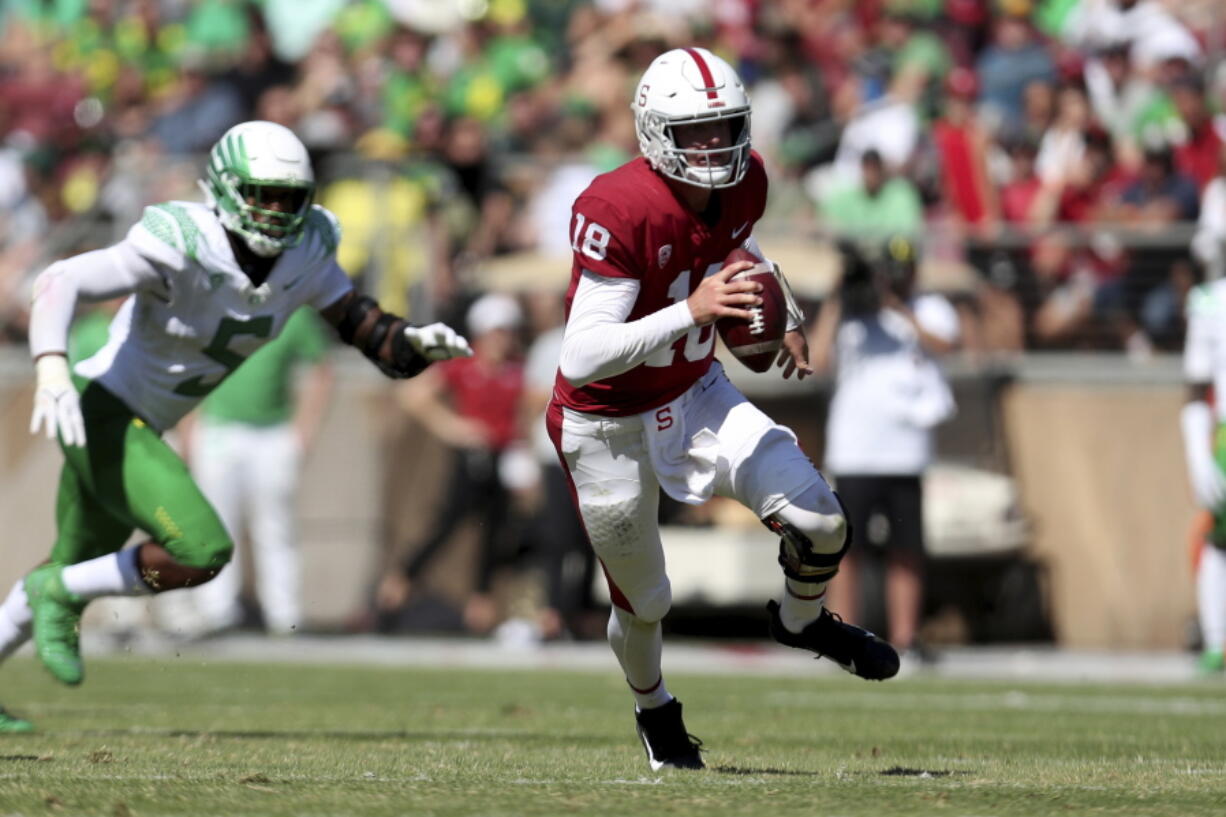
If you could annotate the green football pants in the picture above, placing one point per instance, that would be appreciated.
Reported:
(126, 477)
(1217, 537)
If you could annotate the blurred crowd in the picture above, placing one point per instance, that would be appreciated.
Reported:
(1064, 157)
(1069, 152)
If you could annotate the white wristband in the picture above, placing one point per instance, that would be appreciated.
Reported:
(52, 371)
(796, 315)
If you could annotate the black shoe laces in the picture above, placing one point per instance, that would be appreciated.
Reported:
(844, 637)
(685, 744)
(672, 741)
(680, 743)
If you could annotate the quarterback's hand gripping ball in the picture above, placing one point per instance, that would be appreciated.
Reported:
(756, 342)
(437, 341)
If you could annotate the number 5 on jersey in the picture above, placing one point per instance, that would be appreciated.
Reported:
(220, 351)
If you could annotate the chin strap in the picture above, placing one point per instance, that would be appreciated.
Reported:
(271, 250)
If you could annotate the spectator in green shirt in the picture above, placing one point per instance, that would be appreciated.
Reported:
(874, 207)
(246, 453)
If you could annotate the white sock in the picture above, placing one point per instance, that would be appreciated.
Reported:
(115, 574)
(15, 617)
(802, 603)
(638, 646)
(1211, 597)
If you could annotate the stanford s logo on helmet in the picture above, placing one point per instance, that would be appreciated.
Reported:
(682, 87)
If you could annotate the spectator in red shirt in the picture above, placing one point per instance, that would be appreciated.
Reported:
(961, 144)
(473, 408)
(1197, 155)
(1017, 196)
(40, 100)
(1086, 188)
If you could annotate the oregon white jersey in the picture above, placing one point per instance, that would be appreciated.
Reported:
(178, 337)
(1204, 351)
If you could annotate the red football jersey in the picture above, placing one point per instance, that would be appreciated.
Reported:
(628, 224)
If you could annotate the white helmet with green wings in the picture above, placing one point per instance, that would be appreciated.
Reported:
(260, 183)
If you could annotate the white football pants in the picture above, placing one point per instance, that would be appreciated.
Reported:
(250, 475)
(758, 463)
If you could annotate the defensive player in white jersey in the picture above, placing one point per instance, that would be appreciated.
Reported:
(208, 284)
(1204, 437)
(640, 403)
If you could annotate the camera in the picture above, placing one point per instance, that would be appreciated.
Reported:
(891, 266)
(857, 288)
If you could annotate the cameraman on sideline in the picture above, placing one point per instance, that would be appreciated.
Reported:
(883, 341)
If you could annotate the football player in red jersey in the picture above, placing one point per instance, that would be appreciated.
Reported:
(640, 403)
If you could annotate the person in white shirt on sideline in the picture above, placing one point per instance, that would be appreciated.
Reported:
(883, 341)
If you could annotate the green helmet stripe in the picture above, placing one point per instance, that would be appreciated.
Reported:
(238, 155)
(242, 156)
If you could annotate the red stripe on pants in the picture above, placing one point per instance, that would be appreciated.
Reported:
(553, 424)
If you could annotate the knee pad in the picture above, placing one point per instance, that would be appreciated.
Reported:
(650, 604)
(811, 544)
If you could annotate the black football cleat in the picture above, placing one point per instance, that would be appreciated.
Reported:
(853, 648)
(664, 737)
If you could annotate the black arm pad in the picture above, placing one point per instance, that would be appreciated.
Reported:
(406, 362)
(355, 312)
(378, 333)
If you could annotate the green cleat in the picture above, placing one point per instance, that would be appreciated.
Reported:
(57, 623)
(1211, 662)
(12, 724)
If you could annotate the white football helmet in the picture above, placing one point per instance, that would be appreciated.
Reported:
(251, 164)
(682, 87)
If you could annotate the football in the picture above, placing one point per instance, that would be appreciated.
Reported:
(756, 342)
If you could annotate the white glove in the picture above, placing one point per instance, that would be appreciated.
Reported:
(56, 403)
(438, 341)
(1208, 481)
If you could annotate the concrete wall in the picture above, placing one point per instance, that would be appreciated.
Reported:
(1099, 467)
(1101, 474)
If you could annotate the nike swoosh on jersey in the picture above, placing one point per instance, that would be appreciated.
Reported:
(294, 283)
(739, 230)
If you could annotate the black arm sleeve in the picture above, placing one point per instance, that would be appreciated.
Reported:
(404, 360)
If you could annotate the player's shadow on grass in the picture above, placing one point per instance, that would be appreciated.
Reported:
(358, 735)
(906, 771)
(746, 772)
(894, 771)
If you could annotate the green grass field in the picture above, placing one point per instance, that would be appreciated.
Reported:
(174, 736)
